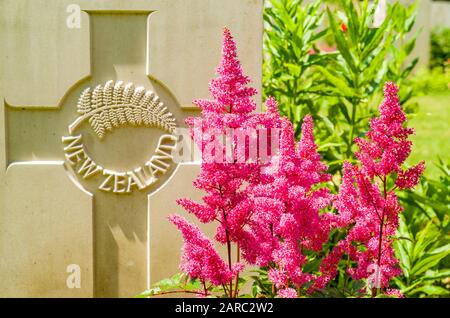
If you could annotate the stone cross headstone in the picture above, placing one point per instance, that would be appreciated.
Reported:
(91, 92)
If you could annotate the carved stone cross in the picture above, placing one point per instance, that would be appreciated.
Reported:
(90, 181)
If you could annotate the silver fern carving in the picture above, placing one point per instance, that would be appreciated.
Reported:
(114, 105)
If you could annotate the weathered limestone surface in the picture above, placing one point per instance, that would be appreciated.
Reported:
(90, 182)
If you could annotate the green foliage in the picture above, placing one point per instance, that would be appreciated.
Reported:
(178, 283)
(326, 58)
(440, 47)
(261, 286)
(182, 284)
(291, 31)
(432, 198)
(342, 88)
(423, 245)
(435, 81)
(351, 290)
(419, 254)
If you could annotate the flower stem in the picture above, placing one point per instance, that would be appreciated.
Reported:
(380, 240)
(229, 261)
(227, 235)
(205, 289)
(352, 129)
(238, 258)
(178, 292)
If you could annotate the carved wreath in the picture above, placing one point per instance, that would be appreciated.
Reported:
(114, 105)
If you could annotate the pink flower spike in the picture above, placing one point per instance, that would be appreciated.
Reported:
(200, 259)
(395, 293)
(365, 203)
(307, 146)
(229, 90)
(287, 293)
(203, 212)
(272, 106)
(410, 178)
(226, 171)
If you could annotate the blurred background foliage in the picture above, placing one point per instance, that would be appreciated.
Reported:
(331, 59)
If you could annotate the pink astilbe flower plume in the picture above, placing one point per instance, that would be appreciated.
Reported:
(366, 203)
(224, 175)
(287, 293)
(232, 103)
(271, 208)
(407, 179)
(200, 259)
(287, 218)
(386, 146)
(229, 89)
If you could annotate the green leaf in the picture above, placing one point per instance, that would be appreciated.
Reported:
(336, 81)
(442, 249)
(432, 290)
(330, 144)
(343, 106)
(437, 206)
(178, 281)
(424, 238)
(411, 287)
(192, 285)
(409, 46)
(385, 296)
(430, 260)
(149, 292)
(285, 77)
(409, 22)
(319, 35)
(377, 39)
(402, 253)
(409, 68)
(293, 69)
(328, 123)
(341, 42)
(353, 22)
(440, 274)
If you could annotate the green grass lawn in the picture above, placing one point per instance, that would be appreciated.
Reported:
(432, 137)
